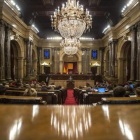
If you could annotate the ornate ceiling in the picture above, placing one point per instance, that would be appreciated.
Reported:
(39, 11)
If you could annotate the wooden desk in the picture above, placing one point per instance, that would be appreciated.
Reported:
(70, 84)
(37, 122)
(14, 88)
(66, 77)
(47, 96)
(20, 99)
(121, 100)
(96, 97)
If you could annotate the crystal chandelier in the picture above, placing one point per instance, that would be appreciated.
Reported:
(71, 21)
(70, 46)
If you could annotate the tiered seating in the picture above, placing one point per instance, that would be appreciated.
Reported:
(123, 100)
(96, 97)
(20, 100)
(51, 96)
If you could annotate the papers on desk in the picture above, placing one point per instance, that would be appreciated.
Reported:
(84, 90)
(132, 95)
(96, 90)
(89, 92)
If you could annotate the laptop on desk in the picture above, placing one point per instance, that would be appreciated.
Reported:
(101, 90)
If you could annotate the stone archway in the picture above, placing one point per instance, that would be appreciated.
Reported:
(124, 62)
(16, 60)
(79, 61)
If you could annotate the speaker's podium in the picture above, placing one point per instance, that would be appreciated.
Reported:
(70, 84)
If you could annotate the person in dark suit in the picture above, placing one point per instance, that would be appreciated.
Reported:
(47, 80)
(119, 91)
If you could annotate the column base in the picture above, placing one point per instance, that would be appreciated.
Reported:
(137, 81)
(131, 81)
(9, 79)
(3, 81)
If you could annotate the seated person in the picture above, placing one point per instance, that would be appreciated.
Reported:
(87, 85)
(80, 87)
(89, 89)
(13, 84)
(2, 89)
(58, 88)
(128, 90)
(32, 85)
(44, 88)
(52, 85)
(30, 91)
(7, 85)
(110, 89)
(19, 83)
(37, 86)
(42, 83)
(137, 91)
(119, 91)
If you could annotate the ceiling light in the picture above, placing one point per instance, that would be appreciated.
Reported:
(105, 29)
(70, 46)
(14, 25)
(35, 28)
(54, 38)
(127, 5)
(71, 21)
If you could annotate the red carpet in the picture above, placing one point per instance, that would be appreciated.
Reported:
(70, 100)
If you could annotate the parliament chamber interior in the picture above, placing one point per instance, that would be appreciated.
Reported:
(69, 69)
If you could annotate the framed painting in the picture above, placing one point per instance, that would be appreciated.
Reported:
(46, 54)
(94, 54)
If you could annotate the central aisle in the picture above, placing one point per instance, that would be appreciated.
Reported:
(70, 100)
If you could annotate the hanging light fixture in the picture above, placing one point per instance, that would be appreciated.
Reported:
(71, 21)
(70, 46)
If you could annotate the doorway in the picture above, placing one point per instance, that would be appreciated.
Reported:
(94, 70)
(46, 70)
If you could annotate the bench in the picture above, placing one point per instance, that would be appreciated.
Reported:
(96, 97)
(20, 100)
(49, 97)
(121, 100)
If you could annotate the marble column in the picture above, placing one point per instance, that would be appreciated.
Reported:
(110, 58)
(88, 60)
(31, 58)
(34, 67)
(53, 60)
(138, 52)
(39, 51)
(8, 53)
(20, 61)
(133, 53)
(2, 58)
(83, 60)
(121, 71)
(114, 43)
(28, 58)
(101, 60)
(57, 60)
(61, 66)
(112, 46)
